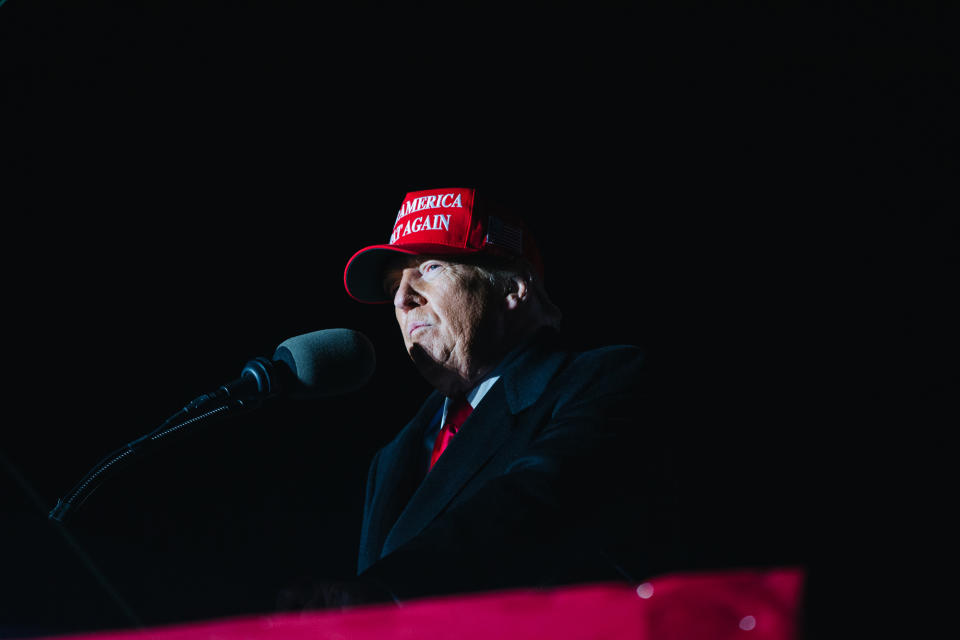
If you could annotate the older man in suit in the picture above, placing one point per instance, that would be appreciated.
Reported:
(530, 464)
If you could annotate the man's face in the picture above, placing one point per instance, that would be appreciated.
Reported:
(450, 317)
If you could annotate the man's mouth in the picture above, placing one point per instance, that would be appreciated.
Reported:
(416, 326)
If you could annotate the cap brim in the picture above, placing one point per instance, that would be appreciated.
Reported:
(364, 273)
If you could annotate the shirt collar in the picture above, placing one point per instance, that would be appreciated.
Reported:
(474, 396)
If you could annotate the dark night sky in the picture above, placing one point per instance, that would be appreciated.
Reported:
(763, 199)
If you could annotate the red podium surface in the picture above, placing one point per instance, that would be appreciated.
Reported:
(746, 604)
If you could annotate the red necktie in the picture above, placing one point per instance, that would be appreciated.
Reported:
(457, 413)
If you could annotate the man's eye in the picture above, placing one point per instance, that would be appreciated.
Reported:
(430, 266)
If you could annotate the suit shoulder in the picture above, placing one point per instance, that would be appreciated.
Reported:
(609, 367)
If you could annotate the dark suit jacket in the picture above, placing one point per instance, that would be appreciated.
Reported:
(546, 483)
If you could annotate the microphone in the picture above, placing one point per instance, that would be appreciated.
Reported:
(313, 365)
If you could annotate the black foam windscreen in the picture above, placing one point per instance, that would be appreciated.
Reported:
(328, 362)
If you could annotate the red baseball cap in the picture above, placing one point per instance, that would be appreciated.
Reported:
(441, 222)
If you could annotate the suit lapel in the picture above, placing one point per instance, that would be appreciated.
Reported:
(487, 428)
(522, 382)
(396, 472)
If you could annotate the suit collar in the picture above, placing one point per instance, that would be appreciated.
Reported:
(527, 370)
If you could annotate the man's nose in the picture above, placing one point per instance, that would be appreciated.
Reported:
(407, 296)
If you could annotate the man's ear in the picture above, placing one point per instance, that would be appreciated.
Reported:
(518, 293)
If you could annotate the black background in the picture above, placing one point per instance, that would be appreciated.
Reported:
(761, 198)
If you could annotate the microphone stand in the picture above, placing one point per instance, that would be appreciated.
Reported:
(260, 379)
(227, 400)
(74, 545)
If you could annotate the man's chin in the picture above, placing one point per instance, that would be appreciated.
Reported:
(422, 358)
(439, 376)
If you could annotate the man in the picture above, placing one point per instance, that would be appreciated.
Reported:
(525, 466)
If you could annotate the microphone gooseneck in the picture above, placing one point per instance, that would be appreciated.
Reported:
(313, 365)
